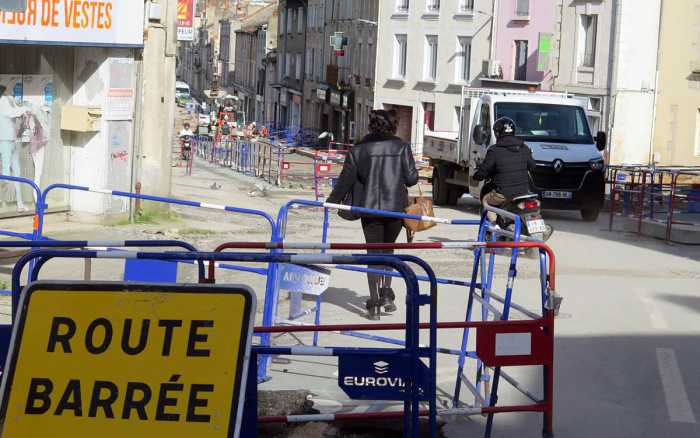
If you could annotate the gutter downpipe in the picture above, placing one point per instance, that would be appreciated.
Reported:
(651, 159)
(494, 19)
(613, 76)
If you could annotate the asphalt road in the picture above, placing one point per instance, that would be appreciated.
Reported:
(627, 339)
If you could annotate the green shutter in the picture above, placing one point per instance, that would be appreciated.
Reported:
(544, 50)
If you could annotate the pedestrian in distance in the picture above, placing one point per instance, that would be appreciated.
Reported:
(377, 172)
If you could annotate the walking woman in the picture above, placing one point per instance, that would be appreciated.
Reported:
(382, 167)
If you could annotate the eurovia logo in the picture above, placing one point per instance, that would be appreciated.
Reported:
(381, 367)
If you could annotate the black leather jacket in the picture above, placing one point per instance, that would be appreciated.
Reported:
(507, 164)
(385, 168)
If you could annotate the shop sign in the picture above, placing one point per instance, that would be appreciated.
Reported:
(335, 98)
(185, 20)
(321, 93)
(125, 359)
(74, 22)
(346, 100)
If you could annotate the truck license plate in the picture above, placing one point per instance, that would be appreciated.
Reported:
(557, 195)
(536, 226)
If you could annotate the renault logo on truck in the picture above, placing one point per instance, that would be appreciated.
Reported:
(558, 165)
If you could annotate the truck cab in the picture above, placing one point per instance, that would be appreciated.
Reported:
(570, 166)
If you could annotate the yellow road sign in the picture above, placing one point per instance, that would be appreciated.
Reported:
(127, 360)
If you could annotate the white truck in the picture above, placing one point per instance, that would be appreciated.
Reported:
(570, 166)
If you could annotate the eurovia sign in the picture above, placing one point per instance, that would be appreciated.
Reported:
(380, 377)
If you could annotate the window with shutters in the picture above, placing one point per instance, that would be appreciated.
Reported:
(431, 55)
(400, 47)
(587, 42)
(522, 8)
(464, 55)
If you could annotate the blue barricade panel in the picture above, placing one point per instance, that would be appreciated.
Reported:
(150, 271)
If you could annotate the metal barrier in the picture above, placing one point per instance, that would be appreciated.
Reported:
(161, 199)
(654, 193)
(483, 267)
(540, 329)
(419, 388)
(419, 385)
(39, 209)
(37, 245)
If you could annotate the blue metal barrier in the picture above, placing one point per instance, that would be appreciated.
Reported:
(417, 387)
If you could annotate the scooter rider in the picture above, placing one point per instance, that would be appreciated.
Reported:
(506, 164)
(186, 135)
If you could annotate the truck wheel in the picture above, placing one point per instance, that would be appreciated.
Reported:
(454, 194)
(440, 190)
(590, 214)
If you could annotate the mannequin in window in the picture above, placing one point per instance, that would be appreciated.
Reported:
(11, 115)
(33, 133)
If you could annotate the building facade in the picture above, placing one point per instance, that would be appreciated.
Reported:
(195, 60)
(522, 47)
(291, 48)
(582, 61)
(634, 81)
(677, 122)
(339, 86)
(74, 108)
(256, 38)
(428, 51)
(271, 92)
(227, 50)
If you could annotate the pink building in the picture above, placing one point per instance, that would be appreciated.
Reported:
(524, 37)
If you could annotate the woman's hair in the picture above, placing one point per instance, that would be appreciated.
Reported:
(383, 122)
(2, 89)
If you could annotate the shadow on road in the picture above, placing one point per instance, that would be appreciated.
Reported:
(347, 299)
(689, 302)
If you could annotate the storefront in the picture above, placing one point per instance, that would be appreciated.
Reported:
(67, 111)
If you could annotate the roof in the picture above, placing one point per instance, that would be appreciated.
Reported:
(261, 16)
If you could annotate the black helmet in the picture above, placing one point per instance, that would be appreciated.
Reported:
(504, 127)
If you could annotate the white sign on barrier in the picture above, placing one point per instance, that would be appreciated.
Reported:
(75, 22)
(310, 280)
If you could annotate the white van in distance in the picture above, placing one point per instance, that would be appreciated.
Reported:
(570, 167)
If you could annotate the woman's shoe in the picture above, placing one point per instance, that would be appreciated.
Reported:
(387, 297)
(374, 310)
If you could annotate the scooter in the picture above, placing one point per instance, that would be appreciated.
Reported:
(186, 147)
(527, 207)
